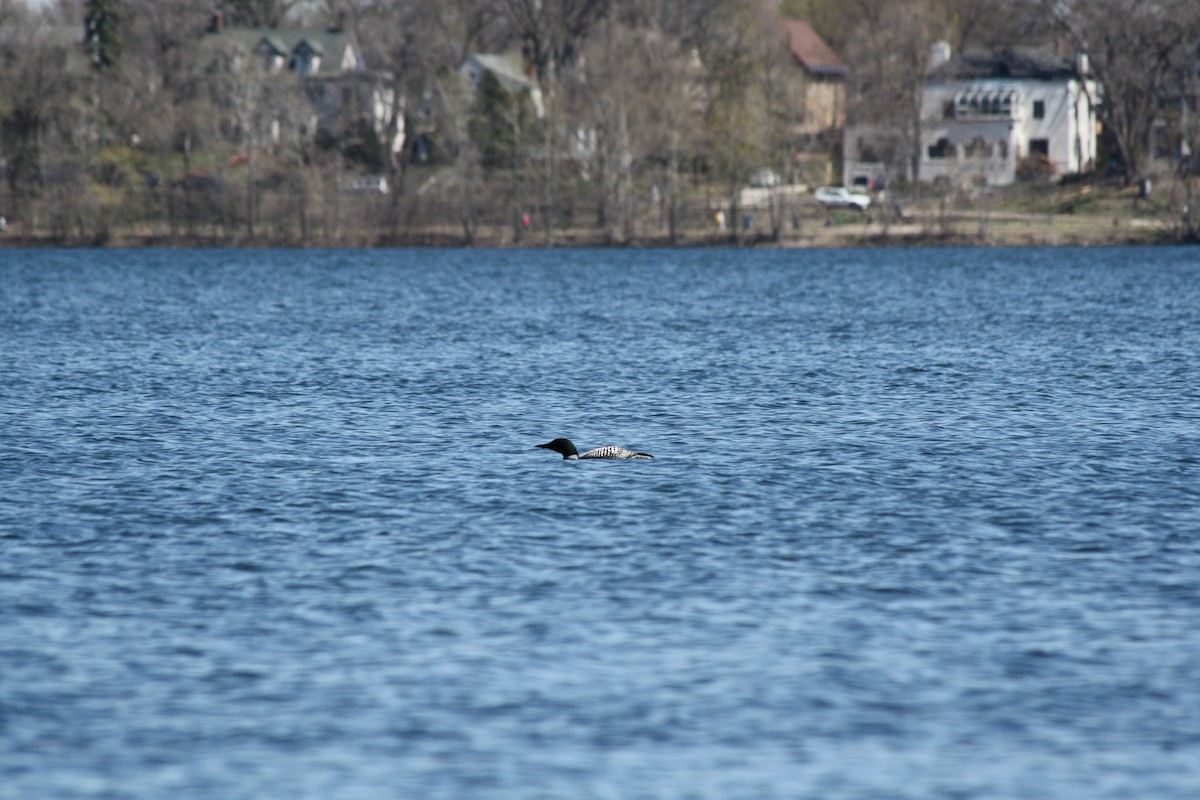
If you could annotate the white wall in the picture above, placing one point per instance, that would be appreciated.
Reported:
(1068, 125)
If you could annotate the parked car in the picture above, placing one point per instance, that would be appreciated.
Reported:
(371, 185)
(764, 177)
(839, 197)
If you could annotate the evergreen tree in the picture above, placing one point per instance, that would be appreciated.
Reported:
(102, 33)
(497, 120)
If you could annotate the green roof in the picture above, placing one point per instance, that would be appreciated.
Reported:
(330, 45)
(276, 44)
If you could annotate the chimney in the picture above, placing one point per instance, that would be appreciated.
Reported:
(339, 22)
(528, 62)
(1081, 64)
(939, 53)
(217, 22)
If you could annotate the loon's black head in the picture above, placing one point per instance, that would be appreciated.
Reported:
(563, 446)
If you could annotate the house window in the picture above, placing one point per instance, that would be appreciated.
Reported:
(1039, 147)
(1039, 109)
(978, 148)
(305, 61)
(1002, 146)
(867, 151)
(1160, 141)
(943, 149)
(982, 101)
(948, 109)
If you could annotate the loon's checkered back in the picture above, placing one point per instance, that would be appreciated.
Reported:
(568, 451)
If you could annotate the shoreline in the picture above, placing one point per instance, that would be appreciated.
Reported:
(1054, 230)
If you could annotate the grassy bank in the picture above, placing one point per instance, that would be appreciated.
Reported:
(1079, 214)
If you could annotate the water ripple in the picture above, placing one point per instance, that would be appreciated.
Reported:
(922, 524)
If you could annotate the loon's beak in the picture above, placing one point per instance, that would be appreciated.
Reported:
(541, 446)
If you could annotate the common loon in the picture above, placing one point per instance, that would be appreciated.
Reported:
(568, 451)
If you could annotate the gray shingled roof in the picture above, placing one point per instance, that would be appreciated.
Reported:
(1015, 62)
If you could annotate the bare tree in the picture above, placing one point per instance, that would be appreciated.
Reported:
(410, 41)
(1135, 49)
(783, 90)
(737, 118)
(259, 113)
(671, 117)
(832, 19)
(454, 105)
(1188, 166)
(600, 113)
(258, 13)
(41, 107)
(992, 25)
(153, 108)
(890, 53)
(552, 33)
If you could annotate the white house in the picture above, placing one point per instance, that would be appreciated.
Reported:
(341, 90)
(993, 116)
(509, 69)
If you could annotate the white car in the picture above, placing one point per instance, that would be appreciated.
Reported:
(838, 197)
(373, 185)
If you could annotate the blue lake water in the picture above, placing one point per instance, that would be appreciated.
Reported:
(922, 524)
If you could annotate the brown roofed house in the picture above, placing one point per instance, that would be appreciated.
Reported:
(823, 98)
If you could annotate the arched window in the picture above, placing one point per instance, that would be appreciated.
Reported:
(943, 149)
(978, 148)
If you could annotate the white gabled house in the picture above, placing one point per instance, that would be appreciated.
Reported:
(510, 70)
(991, 117)
(341, 91)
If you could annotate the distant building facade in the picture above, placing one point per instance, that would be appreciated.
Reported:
(991, 117)
(1175, 132)
(510, 70)
(821, 115)
(343, 94)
